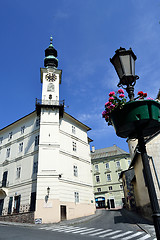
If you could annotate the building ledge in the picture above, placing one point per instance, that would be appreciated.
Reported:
(107, 171)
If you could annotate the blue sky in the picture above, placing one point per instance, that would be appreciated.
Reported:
(86, 34)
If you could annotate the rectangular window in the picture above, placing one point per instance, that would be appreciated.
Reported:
(73, 129)
(1, 140)
(75, 171)
(10, 136)
(38, 121)
(110, 187)
(107, 165)
(99, 189)
(37, 140)
(4, 179)
(74, 145)
(17, 200)
(76, 196)
(8, 152)
(21, 147)
(129, 162)
(96, 168)
(35, 167)
(18, 172)
(10, 205)
(22, 129)
(97, 179)
(118, 164)
(108, 177)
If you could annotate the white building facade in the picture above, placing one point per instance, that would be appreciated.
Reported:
(45, 163)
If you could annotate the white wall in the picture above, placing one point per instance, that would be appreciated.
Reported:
(26, 183)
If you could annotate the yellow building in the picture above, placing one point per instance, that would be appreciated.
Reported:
(141, 196)
(140, 190)
(107, 164)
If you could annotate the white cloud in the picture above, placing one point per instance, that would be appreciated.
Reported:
(60, 15)
(88, 117)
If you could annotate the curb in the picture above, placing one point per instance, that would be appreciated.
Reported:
(67, 222)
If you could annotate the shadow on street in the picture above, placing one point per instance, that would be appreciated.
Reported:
(130, 217)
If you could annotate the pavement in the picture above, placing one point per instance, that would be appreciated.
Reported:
(141, 222)
(144, 224)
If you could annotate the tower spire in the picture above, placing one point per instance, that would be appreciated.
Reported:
(51, 56)
(51, 38)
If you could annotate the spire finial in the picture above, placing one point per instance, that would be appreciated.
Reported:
(51, 56)
(51, 40)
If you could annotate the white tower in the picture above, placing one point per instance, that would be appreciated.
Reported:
(64, 180)
(50, 109)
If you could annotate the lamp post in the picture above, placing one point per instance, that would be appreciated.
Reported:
(124, 64)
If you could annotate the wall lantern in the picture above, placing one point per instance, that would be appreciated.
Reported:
(48, 191)
(124, 64)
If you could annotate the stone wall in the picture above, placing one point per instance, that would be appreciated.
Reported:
(19, 217)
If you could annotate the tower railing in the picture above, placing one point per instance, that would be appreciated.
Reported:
(53, 104)
(49, 102)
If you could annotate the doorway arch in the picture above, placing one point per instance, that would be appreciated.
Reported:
(2, 197)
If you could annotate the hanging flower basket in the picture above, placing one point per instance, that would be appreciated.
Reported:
(143, 114)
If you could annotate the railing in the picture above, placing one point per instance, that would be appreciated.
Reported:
(49, 102)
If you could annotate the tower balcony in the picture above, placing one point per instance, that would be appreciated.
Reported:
(53, 104)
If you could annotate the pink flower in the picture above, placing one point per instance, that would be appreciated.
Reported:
(149, 98)
(108, 104)
(111, 93)
(120, 91)
(111, 99)
(112, 106)
(121, 95)
(104, 113)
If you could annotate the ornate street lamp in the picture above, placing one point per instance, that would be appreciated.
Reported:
(124, 64)
(48, 191)
(137, 119)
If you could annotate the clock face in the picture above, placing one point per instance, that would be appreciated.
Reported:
(50, 77)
